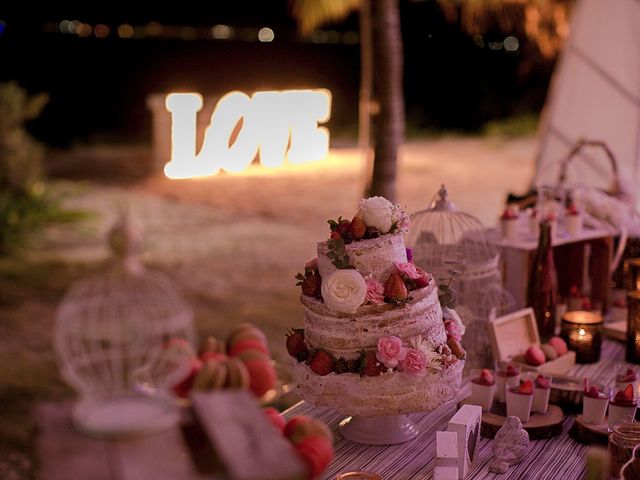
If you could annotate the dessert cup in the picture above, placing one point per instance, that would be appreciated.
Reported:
(626, 375)
(482, 393)
(509, 227)
(519, 404)
(594, 409)
(505, 379)
(541, 395)
(573, 224)
(621, 412)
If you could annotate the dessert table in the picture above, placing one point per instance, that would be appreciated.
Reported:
(560, 457)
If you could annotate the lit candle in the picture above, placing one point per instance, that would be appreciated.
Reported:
(583, 333)
(632, 274)
(633, 326)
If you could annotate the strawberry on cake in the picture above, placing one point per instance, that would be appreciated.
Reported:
(376, 340)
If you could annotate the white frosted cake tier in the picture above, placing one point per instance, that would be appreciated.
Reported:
(346, 335)
(375, 257)
(392, 393)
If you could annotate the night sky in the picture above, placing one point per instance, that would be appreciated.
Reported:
(98, 86)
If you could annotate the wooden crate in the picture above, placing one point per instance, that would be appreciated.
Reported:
(511, 335)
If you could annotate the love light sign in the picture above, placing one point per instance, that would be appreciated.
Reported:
(276, 125)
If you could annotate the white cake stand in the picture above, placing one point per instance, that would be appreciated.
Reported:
(383, 430)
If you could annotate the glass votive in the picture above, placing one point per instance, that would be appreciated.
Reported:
(507, 375)
(633, 326)
(483, 388)
(623, 439)
(583, 333)
(632, 274)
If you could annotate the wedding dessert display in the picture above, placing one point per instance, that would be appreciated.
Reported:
(452, 245)
(376, 340)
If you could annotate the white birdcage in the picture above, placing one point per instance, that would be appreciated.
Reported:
(449, 243)
(110, 336)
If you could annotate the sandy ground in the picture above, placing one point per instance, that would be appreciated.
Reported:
(232, 243)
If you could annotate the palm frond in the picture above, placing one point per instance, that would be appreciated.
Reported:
(310, 14)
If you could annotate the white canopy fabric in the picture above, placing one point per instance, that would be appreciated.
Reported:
(595, 95)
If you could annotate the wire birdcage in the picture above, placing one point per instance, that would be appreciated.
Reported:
(445, 241)
(110, 334)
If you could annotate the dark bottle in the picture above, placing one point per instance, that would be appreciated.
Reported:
(543, 285)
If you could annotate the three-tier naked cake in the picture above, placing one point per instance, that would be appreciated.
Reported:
(376, 340)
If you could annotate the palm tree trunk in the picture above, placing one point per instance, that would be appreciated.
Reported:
(366, 87)
(388, 63)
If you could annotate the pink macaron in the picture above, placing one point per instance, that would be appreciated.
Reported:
(559, 345)
(534, 355)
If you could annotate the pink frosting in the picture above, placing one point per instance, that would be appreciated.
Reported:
(413, 363)
(409, 270)
(375, 291)
(390, 351)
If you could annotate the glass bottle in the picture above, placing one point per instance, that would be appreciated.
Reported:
(543, 284)
(624, 438)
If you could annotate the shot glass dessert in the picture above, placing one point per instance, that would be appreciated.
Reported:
(541, 394)
(626, 375)
(622, 408)
(594, 404)
(519, 400)
(509, 223)
(573, 221)
(507, 375)
(483, 388)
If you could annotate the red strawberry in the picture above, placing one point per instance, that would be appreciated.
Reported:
(394, 289)
(322, 363)
(371, 367)
(511, 371)
(593, 392)
(183, 387)
(317, 453)
(335, 234)
(311, 285)
(296, 346)
(357, 228)
(526, 387)
(423, 281)
(276, 419)
(487, 376)
(343, 226)
(628, 392)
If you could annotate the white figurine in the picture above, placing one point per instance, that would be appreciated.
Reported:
(509, 446)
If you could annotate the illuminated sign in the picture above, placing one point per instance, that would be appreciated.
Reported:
(275, 125)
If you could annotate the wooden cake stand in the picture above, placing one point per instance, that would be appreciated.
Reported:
(539, 425)
(589, 433)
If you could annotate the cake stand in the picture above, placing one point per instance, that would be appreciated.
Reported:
(382, 430)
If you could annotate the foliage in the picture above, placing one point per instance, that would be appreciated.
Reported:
(25, 203)
(512, 127)
(310, 14)
(337, 254)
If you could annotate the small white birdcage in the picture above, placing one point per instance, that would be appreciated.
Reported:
(452, 246)
(110, 335)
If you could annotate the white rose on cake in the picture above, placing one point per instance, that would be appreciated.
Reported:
(377, 212)
(344, 290)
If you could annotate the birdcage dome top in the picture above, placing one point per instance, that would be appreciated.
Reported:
(112, 325)
(441, 234)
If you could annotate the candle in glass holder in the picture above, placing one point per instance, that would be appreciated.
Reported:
(632, 274)
(583, 333)
(633, 326)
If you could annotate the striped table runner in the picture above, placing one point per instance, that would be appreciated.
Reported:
(557, 458)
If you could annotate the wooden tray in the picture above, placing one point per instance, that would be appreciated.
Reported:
(539, 426)
(588, 433)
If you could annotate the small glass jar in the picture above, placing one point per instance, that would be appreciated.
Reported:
(622, 440)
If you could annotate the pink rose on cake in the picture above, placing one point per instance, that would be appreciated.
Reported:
(375, 291)
(400, 218)
(390, 351)
(377, 212)
(414, 363)
(409, 270)
(344, 290)
(452, 323)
